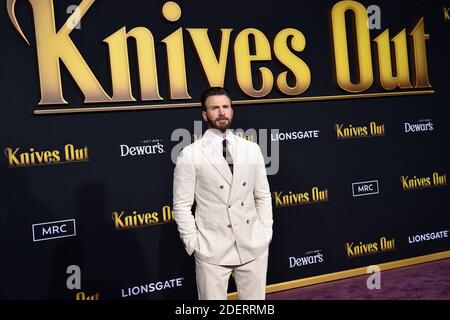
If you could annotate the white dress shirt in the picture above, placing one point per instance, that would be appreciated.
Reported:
(217, 137)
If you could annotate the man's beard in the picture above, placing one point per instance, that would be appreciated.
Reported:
(221, 127)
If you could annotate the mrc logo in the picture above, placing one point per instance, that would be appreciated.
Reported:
(54, 230)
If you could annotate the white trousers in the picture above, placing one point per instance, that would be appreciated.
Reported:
(250, 279)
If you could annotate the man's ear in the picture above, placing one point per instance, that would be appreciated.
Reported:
(204, 116)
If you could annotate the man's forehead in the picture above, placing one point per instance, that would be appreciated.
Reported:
(219, 99)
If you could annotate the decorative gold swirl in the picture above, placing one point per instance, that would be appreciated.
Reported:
(10, 6)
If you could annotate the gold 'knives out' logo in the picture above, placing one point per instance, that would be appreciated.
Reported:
(412, 183)
(85, 296)
(384, 244)
(129, 220)
(33, 157)
(55, 47)
(350, 131)
(290, 198)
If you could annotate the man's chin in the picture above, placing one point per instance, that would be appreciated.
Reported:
(221, 127)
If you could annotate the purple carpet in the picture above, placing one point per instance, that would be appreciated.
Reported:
(427, 281)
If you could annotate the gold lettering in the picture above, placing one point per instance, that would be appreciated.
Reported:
(278, 201)
(72, 154)
(445, 11)
(376, 130)
(243, 60)
(117, 220)
(387, 79)
(296, 65)
(80, 296)
(386, 244)
(176, 65)
(213, 68)
(340, 46)
(155, 217)
(167, 213)
(339, 132)
(120, 68)
(53, 47)
(404, 181)
(349, 249)
(12, 159)
(319, 195)
(439, 179)
(56, 156)
(420, 55)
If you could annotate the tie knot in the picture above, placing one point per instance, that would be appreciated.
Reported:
(224, 142)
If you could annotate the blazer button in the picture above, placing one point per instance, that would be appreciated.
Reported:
(244, 183)
(221, 187)
(229, 226)
(242, 204)
(248, 221)
(229, 206)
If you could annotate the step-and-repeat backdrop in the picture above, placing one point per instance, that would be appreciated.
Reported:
(349, 102)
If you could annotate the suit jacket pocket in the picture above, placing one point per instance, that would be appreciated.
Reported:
(207, 234)
(267, 231)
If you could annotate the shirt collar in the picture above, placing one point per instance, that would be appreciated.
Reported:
(216, 136)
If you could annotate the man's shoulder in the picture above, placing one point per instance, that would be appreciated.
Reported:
(192, 147)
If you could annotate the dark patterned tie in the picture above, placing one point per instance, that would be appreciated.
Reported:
(227, 155)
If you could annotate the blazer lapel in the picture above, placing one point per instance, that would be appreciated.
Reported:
(238, 160)
(216, 159)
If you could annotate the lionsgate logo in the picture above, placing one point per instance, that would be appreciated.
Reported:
(428, 236)
(295, 135)
(309, 258)
(419, 126)
(146, 148)
(152, 287)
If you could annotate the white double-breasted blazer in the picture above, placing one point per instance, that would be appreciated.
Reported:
(233, 211)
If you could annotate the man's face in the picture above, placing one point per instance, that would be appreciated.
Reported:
(218, 114)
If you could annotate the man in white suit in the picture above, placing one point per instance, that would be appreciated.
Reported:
(232, 227)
